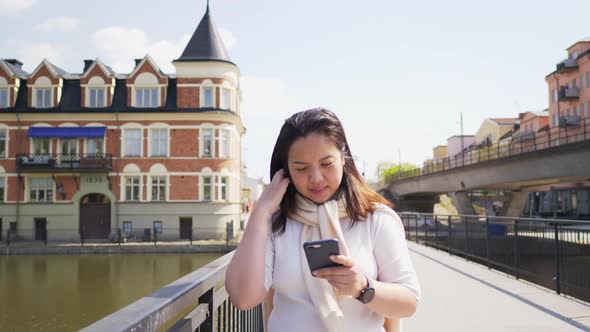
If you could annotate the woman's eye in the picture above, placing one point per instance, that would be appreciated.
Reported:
(300, 169)
(327, 165)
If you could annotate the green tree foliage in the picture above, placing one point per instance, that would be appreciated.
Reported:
(388, 171)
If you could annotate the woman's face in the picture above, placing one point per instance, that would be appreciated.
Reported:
(315, 167)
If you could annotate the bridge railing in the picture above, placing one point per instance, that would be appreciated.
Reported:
(195, 302)
(553, 253)
(571, 129)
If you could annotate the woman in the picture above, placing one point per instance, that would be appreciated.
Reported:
(316, 193)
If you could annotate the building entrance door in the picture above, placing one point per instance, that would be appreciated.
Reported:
(40, 229)
(186, 228)
(95, 216)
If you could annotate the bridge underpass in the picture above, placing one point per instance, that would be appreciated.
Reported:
(519, 174)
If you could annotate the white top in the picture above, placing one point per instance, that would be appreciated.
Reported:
(379, 250)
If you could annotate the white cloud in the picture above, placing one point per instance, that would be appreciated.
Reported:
(33, 54)
(119, 46)
(13, 6)
(58, 24)
(228, 38)
(266, 103)
(265, 96)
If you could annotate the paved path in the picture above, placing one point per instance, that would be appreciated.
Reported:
(460, 296)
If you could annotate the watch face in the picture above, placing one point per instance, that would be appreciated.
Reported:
(368, 295)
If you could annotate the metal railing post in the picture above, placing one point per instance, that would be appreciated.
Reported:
(436, 232)
(82, 236)
(466, 237)
(155, 237)
(425, 231)
(487, 230)
(416, 228)
(450, 236)
(207, 298)
(515, 250)
(556, 259)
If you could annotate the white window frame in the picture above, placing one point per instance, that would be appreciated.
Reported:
(159, 185)
(555, 120)
(159, 230)
(202, 142)
(555, 95)
(130, 230)
(125, 185)
(98, 102)
(225, 102)
(220, 186)
(87, 145)
(124, 152)
(49, 186)
(151, 142)
(211, 177)
(5, 142)
(32, 146)
(3, 186)
(75, 140)
(141, 90)
(5, 91)
(49, 103)
(224, 144)
(202, 96)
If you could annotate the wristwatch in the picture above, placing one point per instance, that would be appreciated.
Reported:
(367, 293)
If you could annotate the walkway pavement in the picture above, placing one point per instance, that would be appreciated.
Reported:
(461, 296)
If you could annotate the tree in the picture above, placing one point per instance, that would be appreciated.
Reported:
(388, 172)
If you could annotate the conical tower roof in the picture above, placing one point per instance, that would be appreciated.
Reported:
(206, 43)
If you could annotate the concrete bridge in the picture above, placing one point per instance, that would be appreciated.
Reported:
(503, 167)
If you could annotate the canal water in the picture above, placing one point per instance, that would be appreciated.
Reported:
(67, 293)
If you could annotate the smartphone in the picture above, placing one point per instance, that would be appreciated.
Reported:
(318, 253)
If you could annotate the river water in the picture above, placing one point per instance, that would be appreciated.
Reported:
(67, 293)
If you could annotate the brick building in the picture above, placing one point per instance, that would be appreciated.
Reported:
(100, 153)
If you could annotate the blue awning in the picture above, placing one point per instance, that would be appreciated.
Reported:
(66, 132)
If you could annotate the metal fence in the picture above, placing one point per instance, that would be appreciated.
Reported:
(553, 253)
(66, 162)
(195, 302)
(119, 236)
(570, 130)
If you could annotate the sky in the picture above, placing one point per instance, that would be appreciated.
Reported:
(398, 74)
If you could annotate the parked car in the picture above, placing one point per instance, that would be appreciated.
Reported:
(417, 219)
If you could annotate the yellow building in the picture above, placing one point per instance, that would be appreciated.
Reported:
(440, 152)
(491, 130)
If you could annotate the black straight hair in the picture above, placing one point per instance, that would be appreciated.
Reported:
(360, 198)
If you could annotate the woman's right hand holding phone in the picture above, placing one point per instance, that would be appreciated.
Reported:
(270, 199)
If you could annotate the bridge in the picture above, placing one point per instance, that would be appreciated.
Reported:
(553, 157)
(476, 275)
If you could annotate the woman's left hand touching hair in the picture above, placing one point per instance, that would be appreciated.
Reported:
(346, 278)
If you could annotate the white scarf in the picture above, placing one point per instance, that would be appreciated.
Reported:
(321, 222)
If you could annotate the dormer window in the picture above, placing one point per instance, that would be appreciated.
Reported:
(147, 97)
(146, 89)
(97, 97)
(4, 100)
(95, 92)
(208, 97)
(43, 97)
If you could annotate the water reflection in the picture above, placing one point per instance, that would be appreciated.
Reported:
(66, 293)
